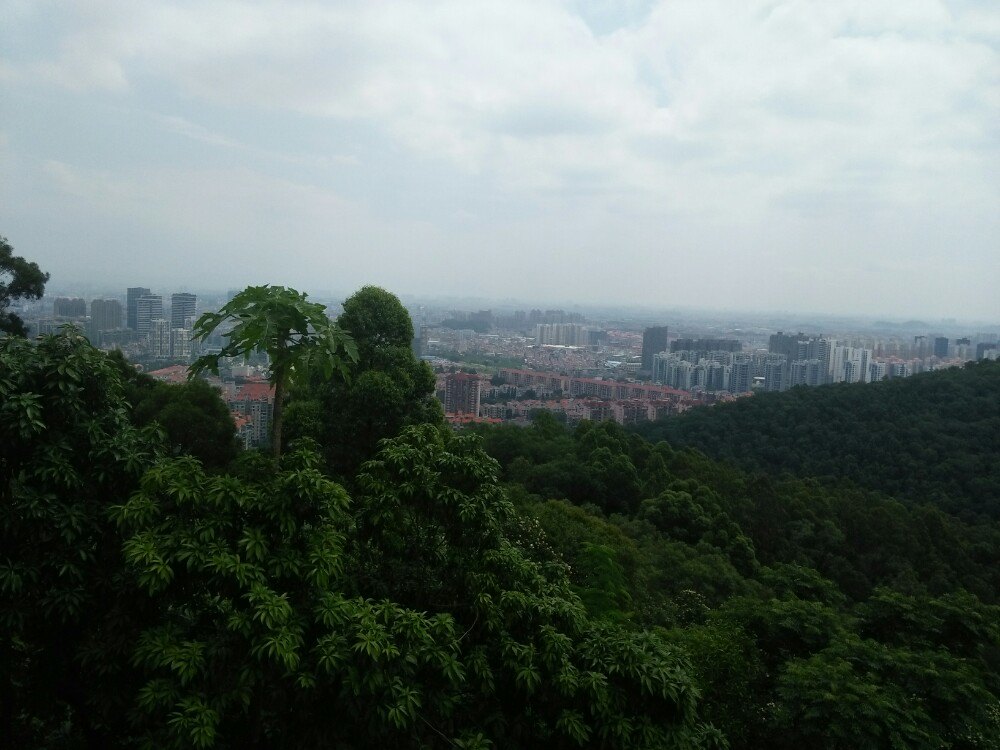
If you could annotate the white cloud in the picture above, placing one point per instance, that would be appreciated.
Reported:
(731, 119)
(526, 91)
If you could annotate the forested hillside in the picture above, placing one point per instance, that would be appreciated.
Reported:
(933, 437)
(377, 580)
(816, 615)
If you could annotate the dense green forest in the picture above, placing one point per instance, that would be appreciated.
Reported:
(934, 437)
(377, 580)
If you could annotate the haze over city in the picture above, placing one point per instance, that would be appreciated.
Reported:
(835, 158)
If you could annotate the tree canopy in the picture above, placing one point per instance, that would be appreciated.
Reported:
(387, 387)
(377, 320)
(19, 279)
(147, 602)
(816, 613)
(932, 437)
(496, 588)
(67, 449)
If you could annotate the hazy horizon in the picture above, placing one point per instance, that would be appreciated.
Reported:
(651, 313)
(779, 158)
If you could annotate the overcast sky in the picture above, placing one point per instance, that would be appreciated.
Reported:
(826, 156)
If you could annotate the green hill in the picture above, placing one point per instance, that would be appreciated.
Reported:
(816, 614)
(932, 437)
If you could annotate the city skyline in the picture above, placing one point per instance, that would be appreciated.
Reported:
(650, 313)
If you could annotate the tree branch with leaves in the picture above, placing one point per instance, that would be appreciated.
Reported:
(297, 336)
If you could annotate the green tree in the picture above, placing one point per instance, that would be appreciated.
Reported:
(603, 589)
(435, 531)
(295, 334)
(388, 387)
(861, 694)
(287, 614)
(194, 419)
(19, 279)
(270, 609)
(938, 434)
(377, 320)
(67, 451)
(729, 673)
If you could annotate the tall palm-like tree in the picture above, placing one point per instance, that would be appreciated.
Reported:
(295, 334)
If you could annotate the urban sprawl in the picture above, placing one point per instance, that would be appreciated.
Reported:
(503, 367)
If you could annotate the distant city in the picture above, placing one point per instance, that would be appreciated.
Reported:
(504, 366)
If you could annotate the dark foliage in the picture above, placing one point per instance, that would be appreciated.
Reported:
(931, 438)
(147, 603)
(192, 416)
(818, 613)
(387, 388)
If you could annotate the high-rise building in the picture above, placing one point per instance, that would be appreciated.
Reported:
(69, 307)
(461, 393)
(561, 334)
(850, 365)
(800, 347)
(807, 372)
(821, 349)
(898, 370)
(786, 343)
(132, 305)
(147, 309)
(159, 337)
(985, 350)
(941, 347)
(182, 307)
(115, 338)
(654, 341)
(776, 375)
(105, 315)
(180, 343)
(254, 402)
(706, 345)
(741, 377)
(717, 376)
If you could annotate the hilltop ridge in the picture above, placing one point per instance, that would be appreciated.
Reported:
(932, 437)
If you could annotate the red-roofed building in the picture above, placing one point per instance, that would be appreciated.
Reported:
(254, 401)
(244, 430)
(255, 390)
(174, 374)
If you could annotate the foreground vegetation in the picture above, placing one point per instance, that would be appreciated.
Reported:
(384, 582)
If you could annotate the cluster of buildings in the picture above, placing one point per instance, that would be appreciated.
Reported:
(512, 394)
(551, 359)
(587, 372)
(566, 334)
(705, 370)
(725, 365)
(143, 326)
(799, 359)
(697, 364)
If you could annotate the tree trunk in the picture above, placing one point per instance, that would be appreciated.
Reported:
(276, 415)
